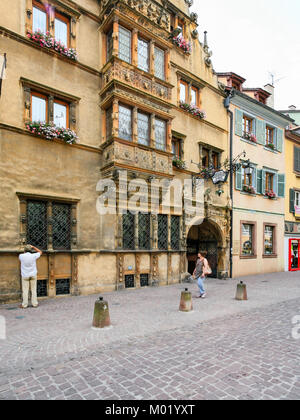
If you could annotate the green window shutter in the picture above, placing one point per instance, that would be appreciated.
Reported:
(279, 139)
(238, 122)
(275, 187)
(281, 185)
(296, 159)
(292, 201)
(254, 179)
(259, 181)
(261, 132)
(238, 179)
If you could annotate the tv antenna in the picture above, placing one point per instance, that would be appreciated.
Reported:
(273, 76)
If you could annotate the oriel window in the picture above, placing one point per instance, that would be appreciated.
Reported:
(160, 134)
(143, 55)
(159, 63)
(143, 129)
(125, 123)
(125, 44)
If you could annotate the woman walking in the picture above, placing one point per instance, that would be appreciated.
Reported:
(200, 273)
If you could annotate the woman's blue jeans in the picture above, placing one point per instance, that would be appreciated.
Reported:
(201, 285)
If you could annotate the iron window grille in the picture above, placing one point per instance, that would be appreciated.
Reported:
(129, 281)
(162, 231)
(37, 227)
(144, 280)
(42, 290)
(61, 226)
(128, 231)
(175, 233)
(63, 287)
(144, 231)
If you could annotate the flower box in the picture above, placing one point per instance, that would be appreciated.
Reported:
(51, 132)
(193, 109)
(249, 189)
(178, 163)
(270, 146)
(182, 43)
(270, 194)
(46, 41)
(207, 173)
(250, 137)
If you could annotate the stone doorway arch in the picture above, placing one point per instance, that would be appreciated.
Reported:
(209, 238)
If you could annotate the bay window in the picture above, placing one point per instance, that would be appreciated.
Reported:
(125, 123)
(160, 134)
(143, 55)
(159, 63)
(125, 43)
(143, 129)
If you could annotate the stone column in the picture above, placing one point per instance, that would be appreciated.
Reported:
(135, 125)
(51, 109)
(152, 58)
(115, 36)
(167, 65)
(152, 131)
(135, 47)
(169, 136)
(115, 118)
(28, 25)
(27, 107)
(73, 33)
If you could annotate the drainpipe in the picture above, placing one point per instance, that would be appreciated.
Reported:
(227, 106)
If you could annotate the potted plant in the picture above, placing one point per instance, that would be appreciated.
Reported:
(250, 137)
(51, 132)
(178, 163)
(182, 43)
(192, 109)
(270, 146)
(270, 194)
(46, 41)
(249, 189)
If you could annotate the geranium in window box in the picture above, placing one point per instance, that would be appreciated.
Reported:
(46, 41)
(51, 132)
(193, 109)
(207, 173)
(270, 146)
(271, 195)
(182, 43)
(250, 137)
(178, 163)
(249, 189)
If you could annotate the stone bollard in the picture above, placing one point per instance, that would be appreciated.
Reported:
(241, 292)
(101, 314)
(186, 303)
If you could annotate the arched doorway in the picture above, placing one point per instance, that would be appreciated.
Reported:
(206, 238)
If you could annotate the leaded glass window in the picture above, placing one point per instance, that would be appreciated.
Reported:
(144, 231)
(143, 55)
(109, 124)
(109, 45)
(124, 44)
(159, 63)
(128, 231)
(37, 228)
(162, 231)
(175, 232)
(61, 226)
(160, 134)
(125, 123)
(144, 129)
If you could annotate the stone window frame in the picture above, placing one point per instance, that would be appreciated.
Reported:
(254, 238)
(49, 200)
(63, 10)
(52, 95)
(211, 151)
(275, 227)
(190, 84)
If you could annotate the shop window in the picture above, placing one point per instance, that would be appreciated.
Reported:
(248, 240)
(125, 41)
(269, 240)
(143, 55)
(125, 123)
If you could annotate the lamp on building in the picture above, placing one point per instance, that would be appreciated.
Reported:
(248, 168)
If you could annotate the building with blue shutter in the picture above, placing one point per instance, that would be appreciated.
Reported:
(259, 191)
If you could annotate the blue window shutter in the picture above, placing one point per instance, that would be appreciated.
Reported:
(280, 140)
(238, 122)
(259, 181)
(281, 185)
(261, 132)
(254, 179)
(238, 179)
(275, 186)
(292, 201)
(254, 126)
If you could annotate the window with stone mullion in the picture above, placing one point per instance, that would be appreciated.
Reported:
(160, 134)
(144, 231)
(124, 44)
(143, 129)
(125, 123)
(143, 55)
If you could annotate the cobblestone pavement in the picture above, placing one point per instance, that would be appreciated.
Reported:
(223, 350)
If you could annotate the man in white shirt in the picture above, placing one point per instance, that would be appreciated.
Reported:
(29, 274)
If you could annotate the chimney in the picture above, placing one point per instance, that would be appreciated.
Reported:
(271, 100)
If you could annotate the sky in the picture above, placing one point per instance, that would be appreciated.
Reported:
(253, 39)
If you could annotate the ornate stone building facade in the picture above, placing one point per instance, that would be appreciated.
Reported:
(94, 90)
